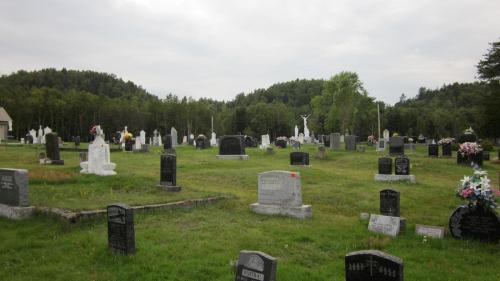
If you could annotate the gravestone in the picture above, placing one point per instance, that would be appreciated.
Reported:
(52, 149)
(433, 150)
(167, 142)
(279, 193)
(350, 142)
(299, 158)
(396, 146)
(326, 140)
(29, 139)
(373, 265)
(99, 160)
(250, 142)
(213, 139)
(389, 202)
(173, 133)
(321, 152)
(335, 141)
(83, 157)
(402, 165)
(129, 144)
(265, 141)
(256, 266)
(168, 173)
(301, 138)
(486, 155)
(387, 225)
(472, 222)
(385, 165)
(202, 142)
(121, 236)
(14, 199)
(470, 160)
(429, 231)
(446, 149)
(232, 147)
(185, 140)
(280, 142)
(385, 135)
(381, 145)
(77, 140)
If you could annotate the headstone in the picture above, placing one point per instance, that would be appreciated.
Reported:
(14, 199)
(32, 133)
(99, 160)
(280, 142)
(121, 236)
(138, 144)
(250, 142)
(213, 139)
(433, 150)
(381, 145)
(402, 165)
(321, 152)
(327, 140)
(280, 193)
(191, 139)
(301, 138)
(396, 146)
(475, 159)
(77, 140)
(299, 158)
(29, 139)
(129, 144)
(389, 202)
(430, 231)
(40, 135)
(83, 157)
(265, 141)
(335, 141)
(167, 142)
(156, 137)
(386, 135)
(387, 225)
(184, 140)
(52, 149)
(173, 133)
(142, 135)
(342, 138)
(232, 145)
(168, 173)
(473, 222)
(385, 165)
(373, 265)
(350, 142)
(256, 266)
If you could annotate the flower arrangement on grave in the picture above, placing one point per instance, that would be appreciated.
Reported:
(469, 149)
(93, 130)
(372, 139)
(395, 135)
(476, 189)
(469, 131)
(410, 140)
(446, 141)
(127, 137)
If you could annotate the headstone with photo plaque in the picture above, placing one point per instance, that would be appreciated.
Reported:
(402, 165)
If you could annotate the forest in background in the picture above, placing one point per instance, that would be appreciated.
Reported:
(71, 102)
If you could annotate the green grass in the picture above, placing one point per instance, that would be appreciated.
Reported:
(201, 243)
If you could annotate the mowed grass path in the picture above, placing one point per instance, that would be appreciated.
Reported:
(201, 243)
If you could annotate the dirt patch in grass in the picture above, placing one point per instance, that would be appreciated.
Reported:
(52, 176)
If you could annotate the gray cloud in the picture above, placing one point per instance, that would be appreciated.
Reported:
(220, 48)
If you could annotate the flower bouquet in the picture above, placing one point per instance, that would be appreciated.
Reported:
(476, 189)
(446, 141)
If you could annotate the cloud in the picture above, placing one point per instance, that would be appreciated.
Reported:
(220, 48)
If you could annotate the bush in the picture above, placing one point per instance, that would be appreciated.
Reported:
(455, 146)
(487, 145)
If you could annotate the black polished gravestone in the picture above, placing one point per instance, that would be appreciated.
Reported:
(14, 187)
(396, 146)
(433, 150)
(299, 158)
(326, 140)
(167, 142)
(29, 139)
(129, 145)
(52, 149)
(470, 160)
(402, 165)
(168, 173)
(256, 266)
(281, 143)
(446, 150)
(232, 145)
(473, 222)
(121, 236)
(385, 165)
(77, 140)
(389, 202)
(373, 265)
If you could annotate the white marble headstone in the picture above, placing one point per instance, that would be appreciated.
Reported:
(173, 133)
(384, 224)
(143, 136)
(213, 139)
(99, 159)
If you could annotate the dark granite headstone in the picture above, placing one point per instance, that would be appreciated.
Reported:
(299, 158)
(52, 149)
(202, 142)
(129, 145)
(373, 265)
(29, 139)
(167, 142)
(470, 159)
(168, 172)
(256, 266)
(326, 140)
(446, 149)
(121, 237)
(402, 165)
(232, 145)
(77, 141)
(389, 202)
(470, 222)
(350, 142)
(281, 143)
(385, 165)
(396, 146)
(433, 150)
(14, 187)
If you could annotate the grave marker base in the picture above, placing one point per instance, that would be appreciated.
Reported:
(171, 188)
(233, 157)
(16, 213)
(302, 212)
(389, 178)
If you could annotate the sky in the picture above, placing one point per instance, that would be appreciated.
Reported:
(220, 48)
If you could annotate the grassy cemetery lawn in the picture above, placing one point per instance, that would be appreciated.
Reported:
(202, 243)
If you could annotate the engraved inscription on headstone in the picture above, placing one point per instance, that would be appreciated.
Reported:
(384, 224)
(372, 265)
(402, 165)
(389, 202)
(121, 236)
(385, 165)
(299, 158)
(14, 187)
(430, 231)
(475, 223)
(256, 266)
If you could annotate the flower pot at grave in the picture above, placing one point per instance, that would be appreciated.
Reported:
(470, 159)
(475, 222)
(446, 149)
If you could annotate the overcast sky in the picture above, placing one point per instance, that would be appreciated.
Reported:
(221, 48)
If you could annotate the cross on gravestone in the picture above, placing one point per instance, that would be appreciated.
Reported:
(299, 158)
(385, 165)
(389, 202)
(433, 150)
(52, 149)
(256, 266)
(121, 236)
(14, 187)
(396, 146)
(232, 145)
(168, 173)
(402, 165)
(373, 265)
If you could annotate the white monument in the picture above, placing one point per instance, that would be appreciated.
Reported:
(306, 130)
(143, 137)
(266, 142)
(184, 140)
(33, 135)
(138, 144)
(296, 132)
(159, 140)
(213, 140)
(40, 134)
(99, 161)
(173, 133)
(301, 138)
(280, 193)
(386, 135)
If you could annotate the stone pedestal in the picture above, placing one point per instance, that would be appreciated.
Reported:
(16, 213)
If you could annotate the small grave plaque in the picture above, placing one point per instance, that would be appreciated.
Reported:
(433, 150)
(14, 187)
(384, 224)
(299, 158)
(256, 266)
(372, 265)
(389, 202)
(385, 165)
(121, 237)
(469, 222)
(402, 165)
(430, 231)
